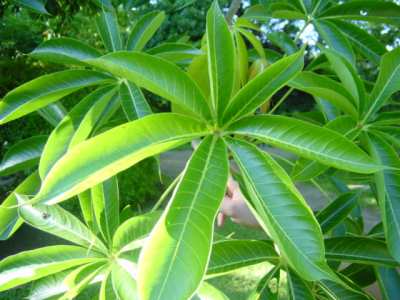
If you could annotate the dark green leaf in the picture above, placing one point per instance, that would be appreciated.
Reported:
(23, 155)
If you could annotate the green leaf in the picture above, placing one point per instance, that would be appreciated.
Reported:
(365, 10)
(363, 275)
(38, 6)
(242, 61)
(80, 278)
(263, 86)
(274, 10)
(230, 255)
(307, 140)
(158, 76)
(282, 212)
(144, 29)
(326, 88)
(298, 289)
(254, 41)
(53, 113)
(86, 205)
(208, 292)
(64, 51)
(123, 280)
(133, 232)
(335, 39)
(336, 211)
(107, 26)
(49, 286)
(46, 89)
(106, 288)
(221, 59)
(185, 230)
(175, 52)
(27, 266)
(133, 101)
(59, 222)
(77, 126)
(105, 197)
(23, 155)
(389, 282)
(369, 46)
(148, 136)
(346, 291)
(359, 250)
(283, 41)
(348, 76)
(308, 169)
(388, 192)
(9, 218)
(388, 82)
(268, 287)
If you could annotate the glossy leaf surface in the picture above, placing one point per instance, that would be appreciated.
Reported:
(185, 230)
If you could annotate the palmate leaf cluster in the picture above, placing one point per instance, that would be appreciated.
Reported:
(218, 99)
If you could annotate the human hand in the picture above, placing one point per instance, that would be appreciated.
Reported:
(234, 206)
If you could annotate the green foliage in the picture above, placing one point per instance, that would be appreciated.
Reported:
(221, 90)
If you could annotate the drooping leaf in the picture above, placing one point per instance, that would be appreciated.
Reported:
(336, 211)
(133, 232)
(370, 10)
(184, 232)
(369, 46)
(64, 51)
(347, 75)
(27, 266)
(107, 27)
(388, 82)
(144, 29)
(105, 197)
(298, 289)
(53, 113)
(263, 86)
(230, 255)
(221, 59)
(274, 10)
(335, 39)
(38, 6)
(9, 218)
(23, 155)
(158, 76)
(46, 89)
(121, 147)
(59, 222)
(326, 88)
(346, 291)
(388, 191)
(268, 287)
(359, 250)
(76, 127)
(133, 101)
(389, 282)
(282, 211)
(307, 140)
(283, 41)
(254, 41)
